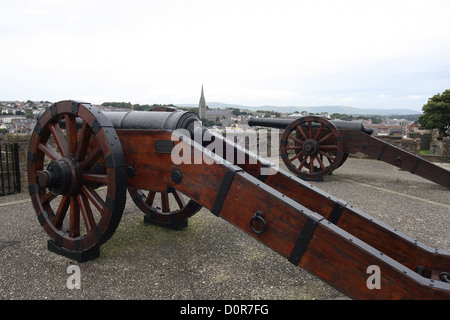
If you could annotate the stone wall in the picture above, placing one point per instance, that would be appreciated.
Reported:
(446, 147)
(409, 144)
(425, 139)
(436, 143)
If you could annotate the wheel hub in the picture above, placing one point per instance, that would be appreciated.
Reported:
(310, 147)
(61, 177)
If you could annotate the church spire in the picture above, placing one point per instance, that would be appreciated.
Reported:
(202, 106)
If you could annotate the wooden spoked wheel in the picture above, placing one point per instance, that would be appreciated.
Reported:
(167, 208)
(77, 176)
(312, 147)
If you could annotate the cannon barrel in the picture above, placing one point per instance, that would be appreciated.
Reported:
(158, 120)
(153, 120)
(269, 122)
(283, 123)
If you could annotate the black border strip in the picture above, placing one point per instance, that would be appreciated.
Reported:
(223, 189)
(380, 155)
(303, 239)
(336, 213)
(416, 165)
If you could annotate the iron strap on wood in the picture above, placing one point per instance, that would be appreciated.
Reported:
(303, 239)
(336, 213)
(223, 189)
(414, 169)
(383, 149)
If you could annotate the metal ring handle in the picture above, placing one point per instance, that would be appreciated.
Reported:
(259, 216)
(445, 277)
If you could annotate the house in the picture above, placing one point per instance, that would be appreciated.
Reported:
(222, 115)
(384, 129)
(11, 118)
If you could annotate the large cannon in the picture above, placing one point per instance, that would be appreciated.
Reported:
(82, 161)
(313, 147)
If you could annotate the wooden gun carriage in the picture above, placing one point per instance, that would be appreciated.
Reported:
(313, 147)
(82, 161)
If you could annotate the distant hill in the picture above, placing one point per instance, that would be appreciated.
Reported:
(318, 109)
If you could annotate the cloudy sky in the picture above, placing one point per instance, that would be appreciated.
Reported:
(387, 54)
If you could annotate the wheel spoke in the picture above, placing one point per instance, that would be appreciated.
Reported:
(325, 138)
(95, 198)
(179, 199)
(150, 198)
(295, 139)
(97, 178)
(165, 202)
(59, 138)
(331, 159)
(320, 162)
(71, 130)
(74, 228)
(295, 157)
(86, 212)
(310, 129)
(47, 198)
(49, 151)
(319, 132)
(61, 212)
(302, 163)
(83, 142)
(92, 158)
(300, 130)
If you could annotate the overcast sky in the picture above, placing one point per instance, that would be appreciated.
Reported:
(387, 54)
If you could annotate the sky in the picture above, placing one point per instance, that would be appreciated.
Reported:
(365, 54)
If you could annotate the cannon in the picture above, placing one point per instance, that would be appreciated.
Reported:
(82, 162)
(313, 147)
